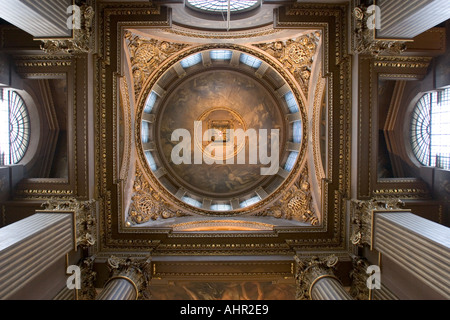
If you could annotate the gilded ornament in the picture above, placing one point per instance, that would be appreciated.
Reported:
(84, 212)
(365, 41)
(362, 217)
(81, 41)
(296, 203)
(146, 55)
(297, 55)
(147, 203)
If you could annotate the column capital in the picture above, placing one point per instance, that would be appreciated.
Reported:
(311, 270)
(81, 41)
(364, 32)
(84, 218)
(361, 215)
(134, 271)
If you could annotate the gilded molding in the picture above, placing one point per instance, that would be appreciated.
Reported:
(146, 55)
(296, 203)
(147, 204)
(296, 55)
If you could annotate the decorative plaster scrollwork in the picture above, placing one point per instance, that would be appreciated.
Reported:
(365, 42)
(362, 217)
(297, 55)
(147, 204)
(146, 55)
(359, 289)
(296, 203)
(84, 211)
(88, 277)
(81, 41)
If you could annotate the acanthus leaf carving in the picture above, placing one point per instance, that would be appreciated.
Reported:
(362, 217)
(310, 269)
(81, 41)
(296, 203)
(85, 218)
(147, 204)
(146, 55)
(365, 41)
(297, 56)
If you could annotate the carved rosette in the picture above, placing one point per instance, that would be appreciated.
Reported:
(147, 204)
(297, 56)
(82, 39)
(296, 203)
(308, 270)
(365, 42)
(146, 55)
(362, 217)
(84, 213)
(138, 271)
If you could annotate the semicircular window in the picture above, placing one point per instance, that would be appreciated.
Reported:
(430, 137)
(222, 5)
(14, 127)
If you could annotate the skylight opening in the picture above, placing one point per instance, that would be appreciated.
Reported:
(221, 54)
(291, 102)
(192, 201)
(249, 202)
(221, 6)
(250, 61)
(191, 60)
(290, 162)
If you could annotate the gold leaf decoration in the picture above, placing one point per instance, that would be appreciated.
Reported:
(296, 203)
(297, 55)
(147, 203)
(146, 55)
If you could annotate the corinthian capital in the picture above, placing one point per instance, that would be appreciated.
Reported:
(134, 270)
(82, 34)
(84, 218)
(309, 271)
(362, 217)
(365, 40)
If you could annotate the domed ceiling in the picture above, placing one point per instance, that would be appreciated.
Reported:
(225, 100)
(216, 137)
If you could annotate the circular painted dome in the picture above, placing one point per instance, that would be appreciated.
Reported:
(216, 135)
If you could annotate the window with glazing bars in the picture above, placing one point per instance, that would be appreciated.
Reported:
(14, 127)
(430, 129)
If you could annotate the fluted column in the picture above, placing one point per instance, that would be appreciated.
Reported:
(128, 282)
(407, 19)
(417, 244)
(317, 280)
(28, 246)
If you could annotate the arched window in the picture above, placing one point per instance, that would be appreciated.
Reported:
(14, 127)
(430, 129)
